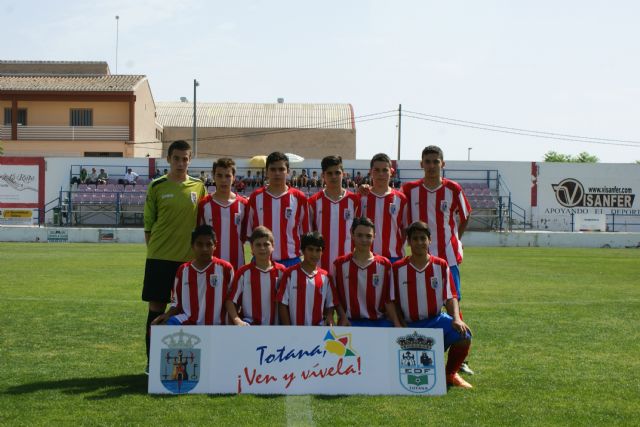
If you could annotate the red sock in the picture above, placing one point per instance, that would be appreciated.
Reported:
(457, 355)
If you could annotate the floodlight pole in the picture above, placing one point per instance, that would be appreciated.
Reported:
(117, 32)
(195, 128)
(399, 128)
(469, 153)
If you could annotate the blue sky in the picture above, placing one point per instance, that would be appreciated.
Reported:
(567, 67)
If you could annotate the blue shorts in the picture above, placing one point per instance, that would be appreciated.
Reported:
(379, 323)
(455, 272)
(289, 262)
(173, 320)
(442, 321)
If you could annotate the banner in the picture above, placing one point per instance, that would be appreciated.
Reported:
(296, 360)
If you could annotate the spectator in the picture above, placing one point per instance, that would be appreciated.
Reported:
(293, 181)
(357, 180)
(102, 177)
(248, 180)
(304, 178)
(314, 181)
(129, 178)
(81, 179)
(157, 174)
(203, 177)
(93, 177)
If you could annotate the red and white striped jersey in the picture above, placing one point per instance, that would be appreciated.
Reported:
(227, 221)
(333, 220)
(307, 295)
(200, 294)
(422, 293)
(364, 291)
(439, 208)
(286, 216)
(389, 214)
(255, 291)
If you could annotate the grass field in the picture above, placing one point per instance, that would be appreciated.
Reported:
(556, 342)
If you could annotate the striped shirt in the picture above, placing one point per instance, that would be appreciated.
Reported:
(422, 293)
(255, 291)
(364, 291)
(389, 214)
(200, 294)
(306, 295)
(226, 220)
(439, 209)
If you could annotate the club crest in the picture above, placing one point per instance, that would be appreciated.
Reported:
(236, 218)
(348, 214)
(213, 280)
(393, 209)
(194, 197)
(376, 280)
(435, 283)
(288, 213)
(444, 206)
(416, 363)
(180, 362)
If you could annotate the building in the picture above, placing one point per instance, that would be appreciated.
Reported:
(249, 129)
(72, 109)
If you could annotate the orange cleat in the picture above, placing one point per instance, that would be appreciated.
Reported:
(455, 380)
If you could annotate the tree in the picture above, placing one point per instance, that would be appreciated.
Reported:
(584, 157)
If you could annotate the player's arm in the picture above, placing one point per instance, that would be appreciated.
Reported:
(400, 315)
(454, 311)
(462, 226)
(392, 314)
(283, 311)
(233, 314)
(162, 319)
(328, 316)
(342, 316)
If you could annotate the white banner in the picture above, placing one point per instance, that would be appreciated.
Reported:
(296, 360)
(19, 183)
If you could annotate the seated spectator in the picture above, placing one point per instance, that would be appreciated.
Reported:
(93, 177)
(358, 179)
(248, 180)
(314, 181)
(82, 179)
(129, 178)
(208, 182)
(203, 176)
(304, 178)
(102, 177)
(259, 179)
(157, 174)
(293, 181)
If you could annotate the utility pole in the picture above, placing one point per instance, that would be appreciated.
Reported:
(117, 31)
(399, 128)
(195, 128)
(469, 153)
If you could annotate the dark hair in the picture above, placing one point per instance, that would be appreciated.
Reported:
(259, 232)
(433, 149)
(329, 161)
(380, 157)
(203, 230)
(224, 162)
(312, 238)
(417, 227)
(276, 156)
(178, 145)
(362, 220)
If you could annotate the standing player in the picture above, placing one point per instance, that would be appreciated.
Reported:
(424, 285)
(169, 217)
(281, 209)
(306, 294)
(441, 203)
(200, 287)
(363, 281)
(224, 210)
(332, 211)
(387, 208)
(254, 284)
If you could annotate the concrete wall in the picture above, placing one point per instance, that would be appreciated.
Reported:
(145, 123)
(57, 113)
(63, 148)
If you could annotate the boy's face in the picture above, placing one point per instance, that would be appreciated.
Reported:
(179, 161)
(381, 172)
(223, 177)
(432, 165)
(203, 248)
(362, 237)
(419, 243)
(262, 248)
(312, 254)
(333, 176)
(277, 172)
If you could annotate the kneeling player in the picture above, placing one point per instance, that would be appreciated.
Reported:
(306, 294)
(423, 286)
(363, 281)
(200, 287)
(254, 285)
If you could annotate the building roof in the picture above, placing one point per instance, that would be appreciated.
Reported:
(254, 115)
(54, 67)
(70, 83)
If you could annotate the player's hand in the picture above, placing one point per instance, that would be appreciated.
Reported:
(344, 321)
(240, 322)
(160, 320)
(364, 189)
(460, 326)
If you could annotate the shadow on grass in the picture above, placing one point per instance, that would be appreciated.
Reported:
(96, 388)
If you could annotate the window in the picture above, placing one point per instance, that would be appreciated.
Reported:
(22, 116)
(81, 117)
(102, 154)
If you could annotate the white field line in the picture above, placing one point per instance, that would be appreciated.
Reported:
(299, 412)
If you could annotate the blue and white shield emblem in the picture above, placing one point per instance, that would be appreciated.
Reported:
(375, 279)
(393, 209)
(435, 283)
(444, 206)
(180, 362)
(288, 213)
(236, 218)
(213, 280)
(416, 363)
(347, 214)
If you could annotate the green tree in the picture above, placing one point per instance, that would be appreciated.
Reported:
(584, 157)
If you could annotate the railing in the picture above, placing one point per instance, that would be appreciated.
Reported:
(68, 133)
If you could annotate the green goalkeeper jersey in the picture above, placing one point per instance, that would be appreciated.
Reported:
(170, 212)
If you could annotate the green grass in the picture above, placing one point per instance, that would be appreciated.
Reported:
(556, 342)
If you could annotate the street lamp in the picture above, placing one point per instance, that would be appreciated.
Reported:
(195, 129)
(469, 153)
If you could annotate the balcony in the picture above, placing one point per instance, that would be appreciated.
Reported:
(68, 133)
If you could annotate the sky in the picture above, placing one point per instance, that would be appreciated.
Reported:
(551, 67)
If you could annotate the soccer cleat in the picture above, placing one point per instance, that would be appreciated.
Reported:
(455, 380)
(465, 369)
